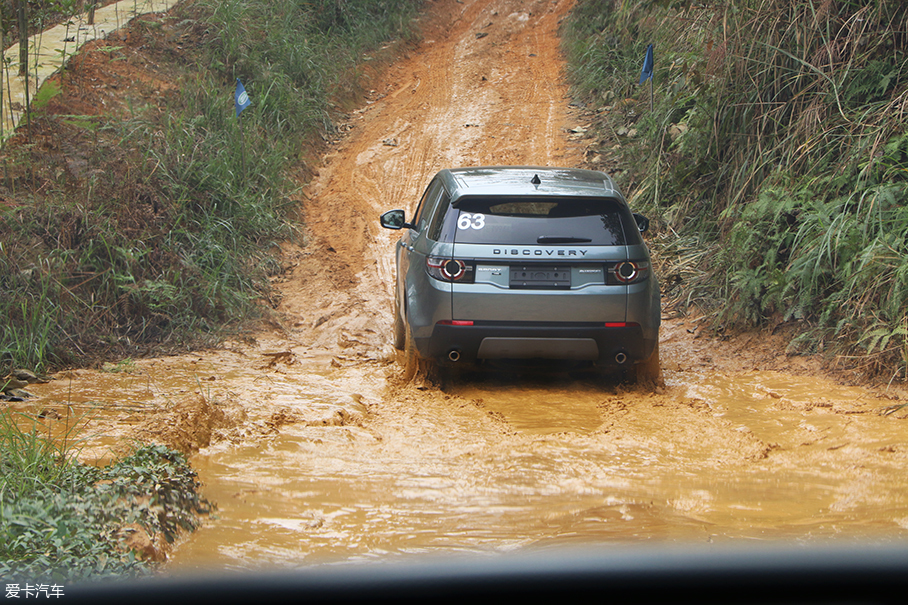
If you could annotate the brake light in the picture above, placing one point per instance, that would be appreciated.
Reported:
(450, 269)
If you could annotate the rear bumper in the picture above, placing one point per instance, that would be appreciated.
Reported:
(519, 340)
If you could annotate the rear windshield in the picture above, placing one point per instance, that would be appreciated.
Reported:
(531, 221)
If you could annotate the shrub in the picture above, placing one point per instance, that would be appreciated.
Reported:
(63, 520)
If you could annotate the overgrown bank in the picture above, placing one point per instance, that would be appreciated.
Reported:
(62, 520)
(137, 212)
(775, 158)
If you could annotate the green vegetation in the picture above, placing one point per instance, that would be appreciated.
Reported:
(63, 520)
(153, 225)
(776, 158)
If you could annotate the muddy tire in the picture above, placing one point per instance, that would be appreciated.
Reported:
(408, 357)
(649, 371)
(416, 368)
(400, 332)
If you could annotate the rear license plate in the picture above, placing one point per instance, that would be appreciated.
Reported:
(540, 276)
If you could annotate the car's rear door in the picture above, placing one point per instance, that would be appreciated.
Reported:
(540, 260)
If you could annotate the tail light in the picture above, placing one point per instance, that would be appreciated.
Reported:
(451, 269)
(628, 272)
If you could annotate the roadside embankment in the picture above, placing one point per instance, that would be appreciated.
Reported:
(139, 213)
(775, 160)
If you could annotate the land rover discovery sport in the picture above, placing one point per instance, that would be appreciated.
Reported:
(505, 263)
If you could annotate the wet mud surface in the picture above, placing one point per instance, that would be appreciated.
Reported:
(315, 450)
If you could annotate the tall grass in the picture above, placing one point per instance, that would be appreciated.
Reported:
(778, 139)
(31, 315)
(155, 226)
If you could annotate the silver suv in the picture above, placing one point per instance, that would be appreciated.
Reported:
(504, 263)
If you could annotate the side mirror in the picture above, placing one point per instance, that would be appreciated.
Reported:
(393, 219)
(642, 222)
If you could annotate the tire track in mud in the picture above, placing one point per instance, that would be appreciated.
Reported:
(438, 109)
(320, 452)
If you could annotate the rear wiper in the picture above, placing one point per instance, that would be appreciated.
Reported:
(561, 239)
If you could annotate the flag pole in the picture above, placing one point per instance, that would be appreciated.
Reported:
(651, 94)
(242, 148)
(241, 102)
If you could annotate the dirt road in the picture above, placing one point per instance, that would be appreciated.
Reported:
(315, 450)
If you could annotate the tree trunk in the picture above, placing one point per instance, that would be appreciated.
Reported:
(22, 12)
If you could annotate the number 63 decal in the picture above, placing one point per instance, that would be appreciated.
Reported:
(471, 221)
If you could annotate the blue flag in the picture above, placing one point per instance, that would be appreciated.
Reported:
(647, 72)
(240, 99)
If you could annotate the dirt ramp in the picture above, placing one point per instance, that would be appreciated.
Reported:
(485, 86)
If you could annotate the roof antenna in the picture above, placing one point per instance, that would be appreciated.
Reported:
(535, 180)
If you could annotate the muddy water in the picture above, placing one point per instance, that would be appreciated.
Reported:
(328, 459)
(491, 468)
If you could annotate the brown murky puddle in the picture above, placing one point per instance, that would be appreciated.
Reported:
(314, 472)
(557, 462)
(314, 451)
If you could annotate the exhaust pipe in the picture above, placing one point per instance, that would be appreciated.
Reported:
(621, 358)
(454, 355)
